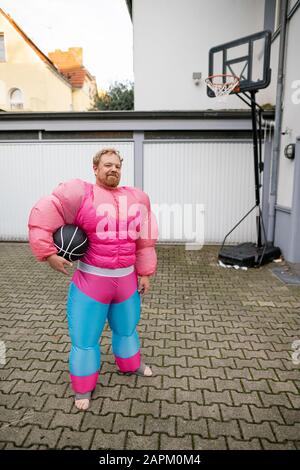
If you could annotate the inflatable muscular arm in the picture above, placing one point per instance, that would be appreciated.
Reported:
(146, 259)
(50, 213)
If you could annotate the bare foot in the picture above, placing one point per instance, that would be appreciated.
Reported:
(82, 400)
(148, 371)
(82, 404)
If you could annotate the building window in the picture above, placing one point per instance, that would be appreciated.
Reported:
(16, 99)
(2, 48)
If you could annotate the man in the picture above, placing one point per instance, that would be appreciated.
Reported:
(122, 233)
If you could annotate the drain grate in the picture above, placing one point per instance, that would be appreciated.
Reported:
(287, 276)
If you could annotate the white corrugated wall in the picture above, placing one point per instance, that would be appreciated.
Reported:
(219, 175)
(30, 171)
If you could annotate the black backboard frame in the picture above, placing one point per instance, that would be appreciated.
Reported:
(246, 84)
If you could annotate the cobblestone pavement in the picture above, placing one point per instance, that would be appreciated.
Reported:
(219, 342)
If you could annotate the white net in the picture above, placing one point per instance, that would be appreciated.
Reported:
(222, 85)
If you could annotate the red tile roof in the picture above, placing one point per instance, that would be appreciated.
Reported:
(75, 75)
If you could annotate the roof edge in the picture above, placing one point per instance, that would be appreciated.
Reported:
(33, 46)
(129, 6)
(105, 115)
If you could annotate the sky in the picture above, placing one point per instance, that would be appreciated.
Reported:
(102, 28)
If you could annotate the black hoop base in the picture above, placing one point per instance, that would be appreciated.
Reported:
(248, 254)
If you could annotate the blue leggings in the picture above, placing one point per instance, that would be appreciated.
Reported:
(93, 298)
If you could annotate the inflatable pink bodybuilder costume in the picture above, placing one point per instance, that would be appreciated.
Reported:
(122, 232)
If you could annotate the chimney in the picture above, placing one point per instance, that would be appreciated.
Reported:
(67, 59)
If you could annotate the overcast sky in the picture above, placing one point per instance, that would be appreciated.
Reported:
(102, 28)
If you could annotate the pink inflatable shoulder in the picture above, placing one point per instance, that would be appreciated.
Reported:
(146, 259)
(50, 213)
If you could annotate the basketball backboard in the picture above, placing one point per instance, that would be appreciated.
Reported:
(247, 58)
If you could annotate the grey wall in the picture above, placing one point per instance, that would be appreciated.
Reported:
(287, 224)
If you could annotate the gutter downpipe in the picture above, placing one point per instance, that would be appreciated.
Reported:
(278, 122)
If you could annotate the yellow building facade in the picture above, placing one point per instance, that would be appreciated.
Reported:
(29, 80)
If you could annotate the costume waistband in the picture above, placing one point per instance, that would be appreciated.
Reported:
(117, 272)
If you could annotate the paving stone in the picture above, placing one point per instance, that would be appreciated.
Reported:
(27, 400)
(159, 425)
(222, 428)
(47, 437)
(138, 393)
(29, 387)
(188, 426)
(168, 395)
(70, 438)
(258, 385)
(290, 416)
(209, 372)
(175, 443)
(217, 397)
(15, 434)
(122, 423)
(71, 421)
(209, 444)
(266, 414)
(41, 418)
(59, 390)
(171, 409)
(238, 373)
(286, 433)
(270, 399)
(266, 445)
(241, 412)
(97, 421)
(247, 398)
(147, 408)
(251, 430)
(234, 384)
(201, 411)
(189, 396)
(110, 406)
(294, 399)
(103, 440)
(202, 384)
(253, 444)
(287, 386)
(134, 442)
(42, 375)
(176, 382)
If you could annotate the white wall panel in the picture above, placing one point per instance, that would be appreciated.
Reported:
(29, 171)
(171, 41)
(219, 175)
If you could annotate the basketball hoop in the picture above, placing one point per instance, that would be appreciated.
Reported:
(222, 85)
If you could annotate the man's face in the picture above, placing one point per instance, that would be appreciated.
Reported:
(108, 172)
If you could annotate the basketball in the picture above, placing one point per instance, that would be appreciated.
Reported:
(70, 241)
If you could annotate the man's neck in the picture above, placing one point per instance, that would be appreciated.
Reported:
(98, 183)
